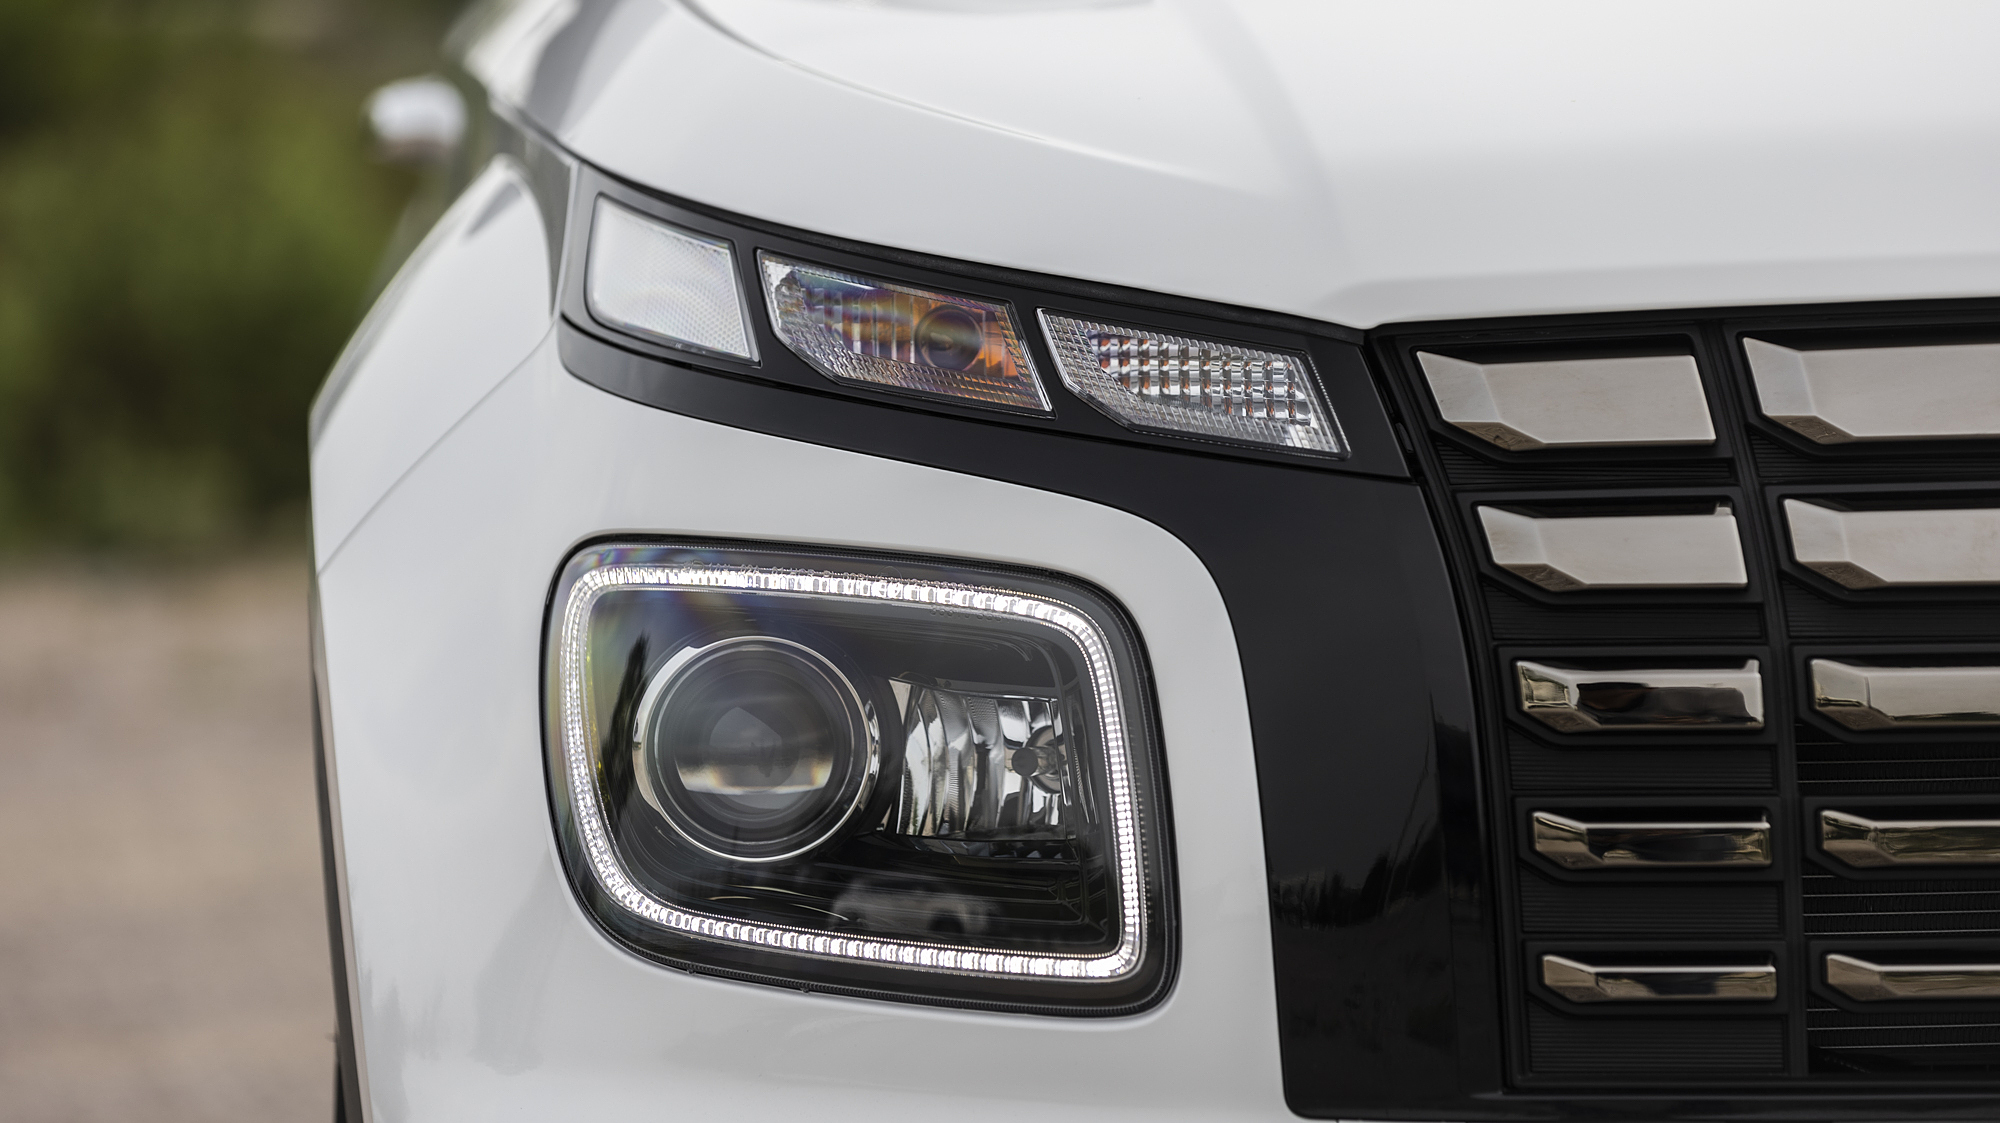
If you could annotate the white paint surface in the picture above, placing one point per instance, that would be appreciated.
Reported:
(468, 306)
(1360, 163)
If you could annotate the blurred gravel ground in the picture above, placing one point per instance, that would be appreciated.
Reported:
(162, 945)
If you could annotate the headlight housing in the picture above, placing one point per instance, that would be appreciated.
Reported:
(882, 777)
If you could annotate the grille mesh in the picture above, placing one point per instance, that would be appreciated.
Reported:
(1841, 1041)
(1834, 768)
(1551, 907)
(1840, 906)
(1703, 1047)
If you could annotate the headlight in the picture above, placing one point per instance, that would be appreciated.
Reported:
(878, 777)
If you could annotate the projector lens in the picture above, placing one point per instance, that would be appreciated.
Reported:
(755, 748)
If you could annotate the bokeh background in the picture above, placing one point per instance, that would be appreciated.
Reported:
(190, 226)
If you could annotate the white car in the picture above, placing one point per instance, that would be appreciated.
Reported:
(1176, 560)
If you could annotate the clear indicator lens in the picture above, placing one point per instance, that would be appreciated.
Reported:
(664, 283)
(1193, 387)
(894, 337)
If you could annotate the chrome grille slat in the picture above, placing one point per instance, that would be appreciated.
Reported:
(1637, 400)
(1898, 547)
(1871, 696)
(1568, 554)
(1656, 700)
(1838, 395)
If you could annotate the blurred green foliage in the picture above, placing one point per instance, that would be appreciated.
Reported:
(189, 226)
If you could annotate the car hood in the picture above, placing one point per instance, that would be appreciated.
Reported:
(1358, 163)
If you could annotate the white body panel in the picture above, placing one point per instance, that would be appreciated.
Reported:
(485, 993)
(1360, 163)
(467, 307)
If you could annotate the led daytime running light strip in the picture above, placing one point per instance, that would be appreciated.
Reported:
(611, 875)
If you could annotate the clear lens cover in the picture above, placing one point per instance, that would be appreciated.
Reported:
(1165, 383)
(894, 337)
(899, 780)
(664, 283)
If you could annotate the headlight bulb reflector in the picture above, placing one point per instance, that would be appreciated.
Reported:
(665, 284)
(1164, 383)
(893, 337)
(983, 767)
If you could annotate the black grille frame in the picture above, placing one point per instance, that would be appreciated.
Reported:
(1811, 1041)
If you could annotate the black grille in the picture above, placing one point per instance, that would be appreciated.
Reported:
(1537, 767)
(1841, 906)
(1834, 768)
(1701, 1048)
(1512, 617)
(1809, 1039)
(1558, 908)
(1910, 1045)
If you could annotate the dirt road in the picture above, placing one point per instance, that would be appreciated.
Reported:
(162, 949)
